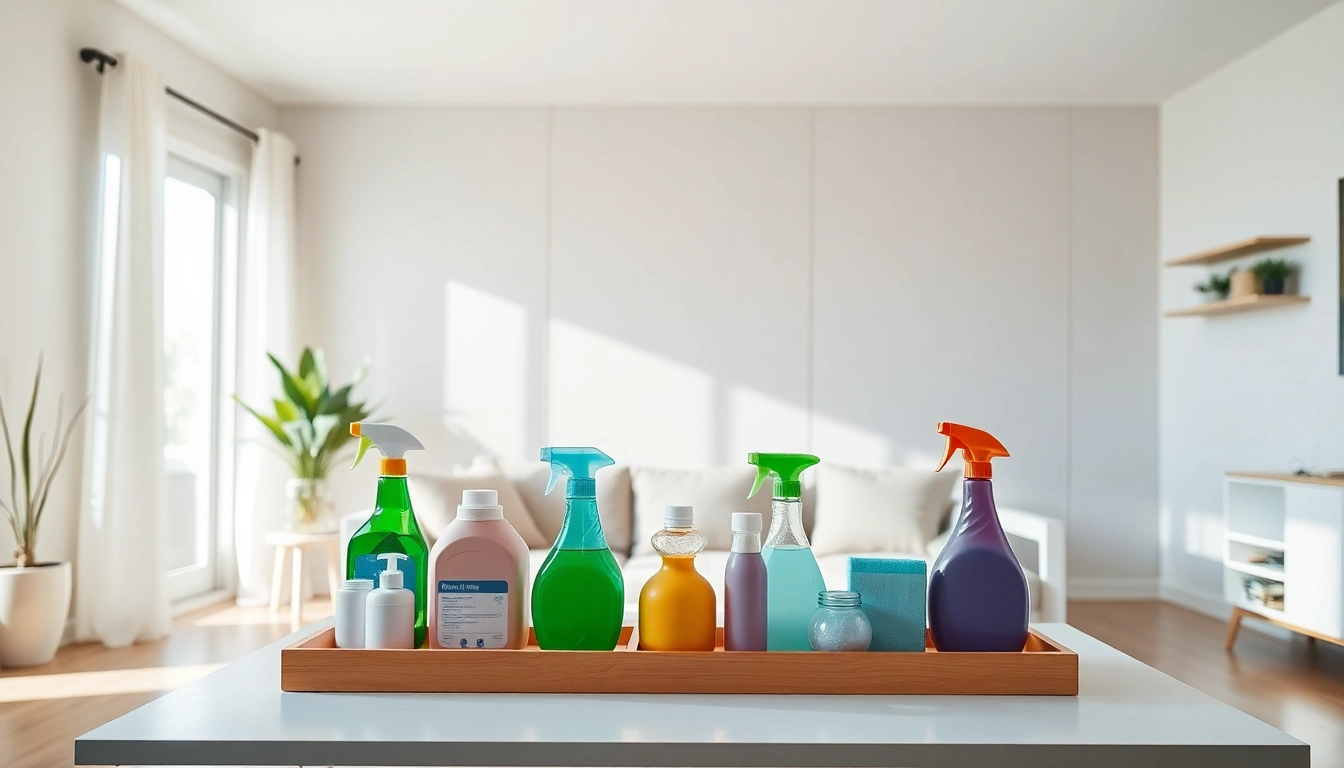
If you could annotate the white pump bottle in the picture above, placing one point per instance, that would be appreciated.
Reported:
(389, 611)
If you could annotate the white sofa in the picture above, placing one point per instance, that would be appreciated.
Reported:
(1038, 540)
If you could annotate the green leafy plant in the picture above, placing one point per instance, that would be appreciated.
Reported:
(36, 471)
(1268, 270)
(1218, 285)
(311, 422)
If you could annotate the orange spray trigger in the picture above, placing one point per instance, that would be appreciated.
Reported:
(978, 447)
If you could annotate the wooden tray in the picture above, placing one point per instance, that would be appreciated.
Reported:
(1043, 668)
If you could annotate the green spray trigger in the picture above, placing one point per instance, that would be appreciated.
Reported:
(579, 463)
(787, 469)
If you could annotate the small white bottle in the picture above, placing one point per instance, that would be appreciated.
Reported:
(389, 610)
(350, 599)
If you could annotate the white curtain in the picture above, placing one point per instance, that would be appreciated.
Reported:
(121, 575)
(267, 325)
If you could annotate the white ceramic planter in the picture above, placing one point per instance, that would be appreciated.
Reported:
(34, 603)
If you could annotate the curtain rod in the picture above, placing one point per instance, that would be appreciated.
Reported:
(101, 60)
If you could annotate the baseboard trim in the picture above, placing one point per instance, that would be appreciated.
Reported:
(1206, 603)
(1113, 589)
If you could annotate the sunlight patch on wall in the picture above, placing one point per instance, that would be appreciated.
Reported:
(1204, 534)
(637, 406)
(760, 422)
(485, 371)
(840, 442)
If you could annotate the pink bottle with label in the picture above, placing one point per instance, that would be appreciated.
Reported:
(478, 579)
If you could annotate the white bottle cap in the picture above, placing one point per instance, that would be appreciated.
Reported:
(677, 516)
(480, 505)
(747, 522)
(358, 585)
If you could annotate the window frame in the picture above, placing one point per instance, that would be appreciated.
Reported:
(218, 578)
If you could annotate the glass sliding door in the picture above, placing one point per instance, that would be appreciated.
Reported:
(193, 255)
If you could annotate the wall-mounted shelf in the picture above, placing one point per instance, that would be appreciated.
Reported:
(1232, 306)
(1238, 249)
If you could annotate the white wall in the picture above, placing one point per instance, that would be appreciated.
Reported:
(49, 197)
(1256, 148)
(682, 285)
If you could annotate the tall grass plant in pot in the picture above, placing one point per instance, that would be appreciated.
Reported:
(34, 596)
(311, 425)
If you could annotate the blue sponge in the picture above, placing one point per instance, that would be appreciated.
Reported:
(895, 593)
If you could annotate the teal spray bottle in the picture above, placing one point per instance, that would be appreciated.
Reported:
(793, 579)
(578, 600)
(392, 527)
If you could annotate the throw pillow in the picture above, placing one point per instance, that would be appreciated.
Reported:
(885, 510)
(716, 493)
(436, 500)
(548, 512)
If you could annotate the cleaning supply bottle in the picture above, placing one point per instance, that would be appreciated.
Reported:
(392, 527)
(978, 598)
(677, 605)
(349, 602)
(792, 576)
(478, 573)
(578, 599)
(745, 592)
(389, 610)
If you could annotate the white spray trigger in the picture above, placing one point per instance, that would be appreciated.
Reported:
(392, 577)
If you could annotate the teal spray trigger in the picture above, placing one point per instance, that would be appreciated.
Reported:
(580, 464)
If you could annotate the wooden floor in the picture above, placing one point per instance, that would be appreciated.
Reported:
(1289, 684)
(1293, 685)
(43, 709)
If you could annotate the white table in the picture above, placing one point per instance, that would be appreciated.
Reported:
(1126, 715)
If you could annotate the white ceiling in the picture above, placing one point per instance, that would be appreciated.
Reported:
(722, 51)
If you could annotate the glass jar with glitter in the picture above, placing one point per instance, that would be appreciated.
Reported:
(839, 624)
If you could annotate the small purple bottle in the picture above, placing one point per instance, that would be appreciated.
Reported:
(744, 587)
(978, 598)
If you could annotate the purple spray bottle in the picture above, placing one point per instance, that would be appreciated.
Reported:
(978, 598)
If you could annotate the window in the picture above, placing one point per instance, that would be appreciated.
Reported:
(198, 211)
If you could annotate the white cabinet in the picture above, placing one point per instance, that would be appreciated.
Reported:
(1283, 551)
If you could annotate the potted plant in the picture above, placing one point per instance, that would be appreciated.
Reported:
(1217, 286)
(1272, 274)
(34, 596)
(312, 425)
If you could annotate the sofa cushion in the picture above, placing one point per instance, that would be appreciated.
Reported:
(716, 493)
(435, 499)
(885, 510)
(548, 512)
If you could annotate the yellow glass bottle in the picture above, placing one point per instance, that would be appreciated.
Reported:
(677, 605)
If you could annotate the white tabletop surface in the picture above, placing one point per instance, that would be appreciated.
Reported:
(1126, 714)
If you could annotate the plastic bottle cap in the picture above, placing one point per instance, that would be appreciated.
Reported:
(678, 516)
(747, 522)
(358, 585)
(482, 504)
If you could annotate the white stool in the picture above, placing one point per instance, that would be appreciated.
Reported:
(286, 542)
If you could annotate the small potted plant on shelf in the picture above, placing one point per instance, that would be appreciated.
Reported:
(1217, 286)
(34, 596)
(312, 425)
(1272, 274)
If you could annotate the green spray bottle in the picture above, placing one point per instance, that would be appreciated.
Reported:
(392, 527)
(578, 600)
(793, 579)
